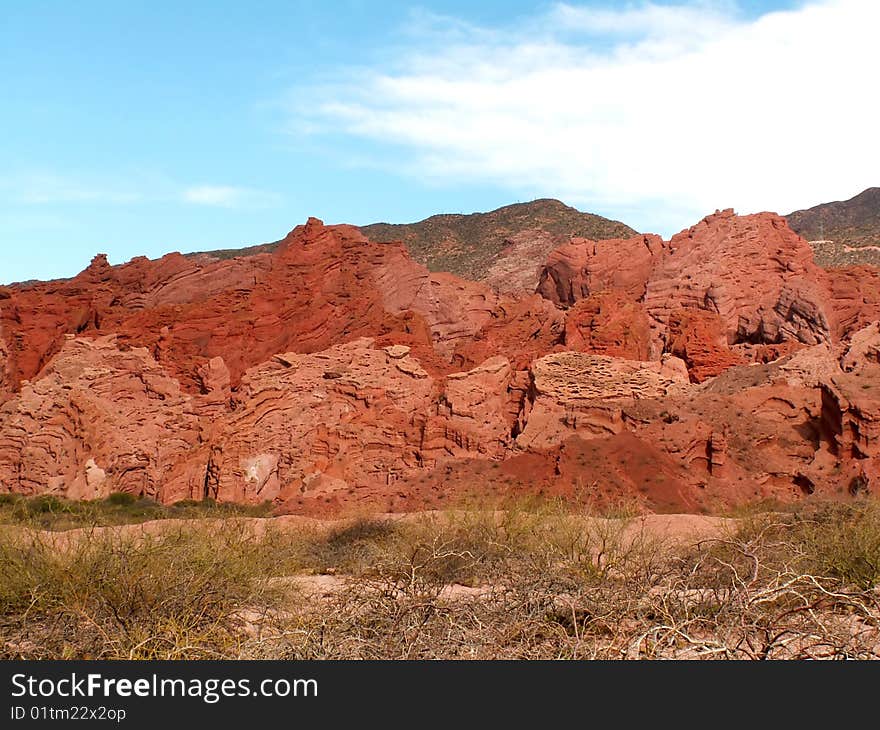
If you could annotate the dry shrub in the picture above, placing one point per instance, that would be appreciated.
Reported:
(49, 512)
(530, 581)
(110, 594)
(512, 584)
(843, 541)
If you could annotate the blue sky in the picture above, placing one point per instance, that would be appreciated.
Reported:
(139, 128)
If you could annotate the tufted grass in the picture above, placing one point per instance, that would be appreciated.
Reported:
(49, 512)
(535, 580)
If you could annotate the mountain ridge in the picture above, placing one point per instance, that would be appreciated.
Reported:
(842, 232)
(467, 244)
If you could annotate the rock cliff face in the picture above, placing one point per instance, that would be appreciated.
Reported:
(754, 272)
(335, 373)
(728, 290)
(324, 285)
(100, 420)
(582, 267)
(348, 416)
(575, 393)
(608, 323)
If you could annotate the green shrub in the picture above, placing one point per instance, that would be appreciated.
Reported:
(46, 503)
(843, 541)
(121, 499)
(116, 595)
(532, 580)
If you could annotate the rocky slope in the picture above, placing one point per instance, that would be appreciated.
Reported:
(336, 373)
(504, 247)
(842, 233)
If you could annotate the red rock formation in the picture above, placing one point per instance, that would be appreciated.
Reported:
(863, 352)
(518, 267)
(753, 271)
(582, 267)
(697, 337)
(608, 323)
(855, 293)
(575, 393)
(324, 285)
(5, 384)
(851, 411)
(520, 329)
(600, 473)
(35, 319)
(101, 420)
(335, 373)
(348, 417)
(731, 289)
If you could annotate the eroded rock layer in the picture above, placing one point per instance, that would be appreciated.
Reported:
(334, 373)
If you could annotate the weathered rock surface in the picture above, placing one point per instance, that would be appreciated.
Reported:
(517, 268)
(697, 337)
(608, 323)
(855, 293)
(754, 272)
(578, 394)
(346, 417)
(334, 373)
(863, 352)
(324, 285)
(100, 420)
(521, 329)
(851, 409)
(582, 267)
(729, 290)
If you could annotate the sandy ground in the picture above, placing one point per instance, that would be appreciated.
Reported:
(678, 529)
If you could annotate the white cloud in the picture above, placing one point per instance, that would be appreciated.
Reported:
(663, 112)
(42, 188)
(226, 196)
(682, 22)
(45, 188)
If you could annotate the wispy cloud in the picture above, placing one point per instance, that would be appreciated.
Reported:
(227, 196)
(671, 110)
(683, 22)
(50, 188)
(43, 188)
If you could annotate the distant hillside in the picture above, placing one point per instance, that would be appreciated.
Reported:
(230, 253)
(468, 245)
(844, 232)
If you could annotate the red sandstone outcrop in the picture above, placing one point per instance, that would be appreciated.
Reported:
(729, 290)
(575, 393)
(608, 323)
(582, 267)
(864, 349)
(475, 417)
(5, 385)
(352, 420)
(855, 293)
(350, 416)
(753, 271)
(337, 373)
(324, 285)
(851, 410)
(35, 319)
(520, 329)
(100, 420)
(697, 337)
